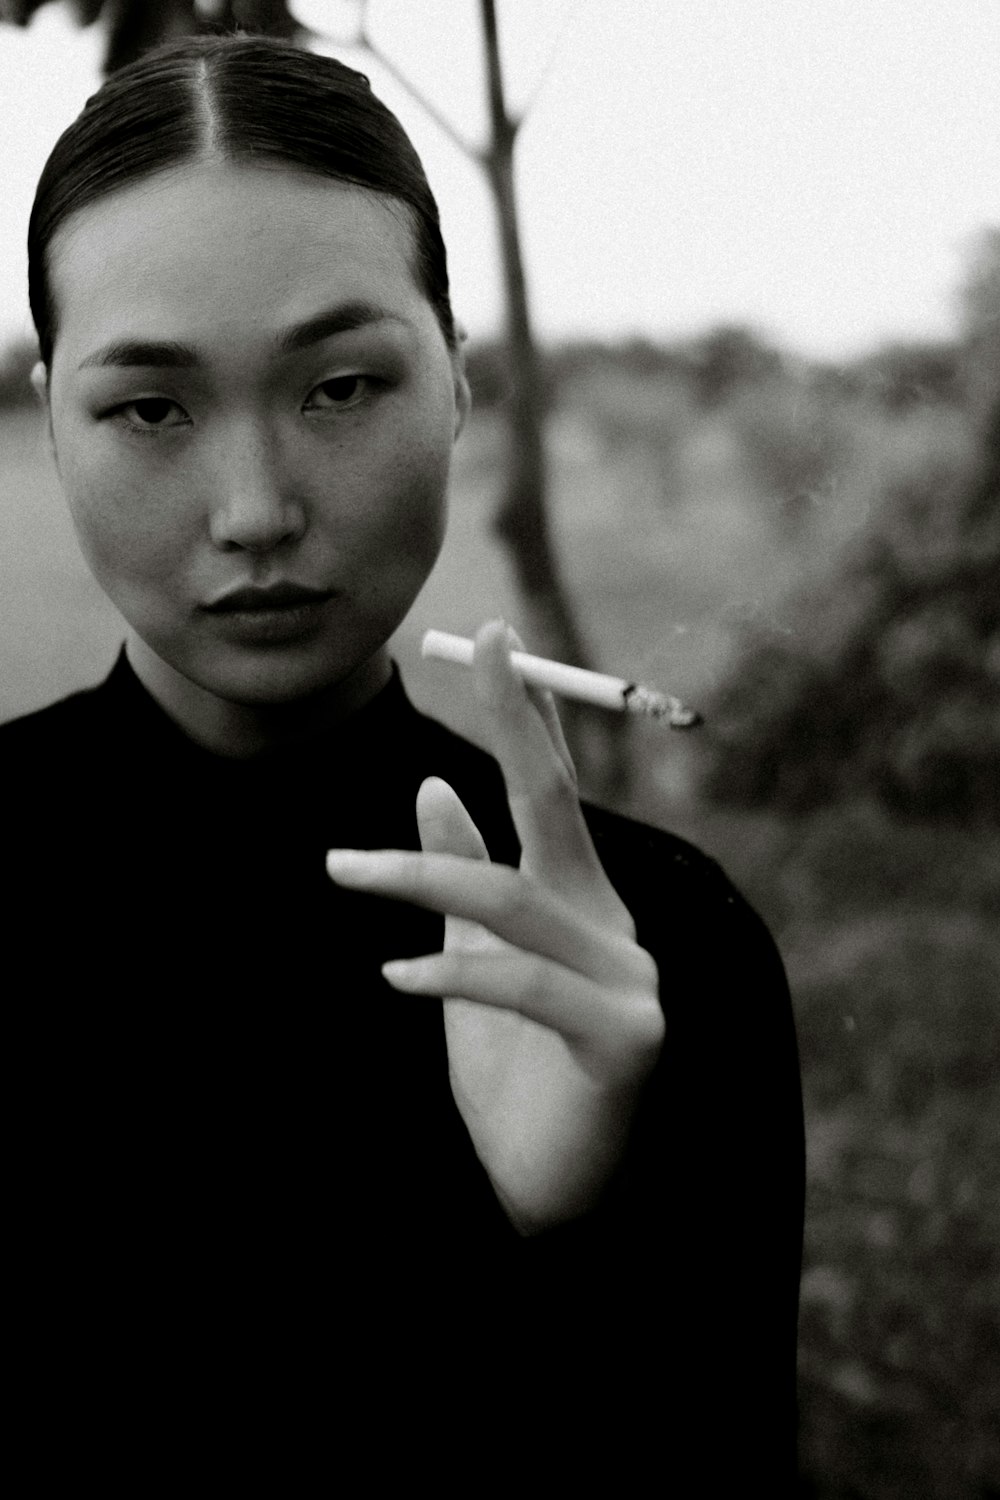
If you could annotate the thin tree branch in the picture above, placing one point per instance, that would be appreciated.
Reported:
(570, 17)
(427, 105)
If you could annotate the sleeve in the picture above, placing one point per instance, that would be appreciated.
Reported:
(678, 1297)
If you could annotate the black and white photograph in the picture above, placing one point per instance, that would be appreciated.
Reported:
(500, 743)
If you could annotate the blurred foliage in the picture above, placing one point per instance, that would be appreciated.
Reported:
(890, 938)
(903, 376)
(488, 369)
(981, 306)
(16, 363)
(797, 436)
(886, 681)
(900, 1037)
(728, 358)
(637, 404)
(890, 680)
(131, 27)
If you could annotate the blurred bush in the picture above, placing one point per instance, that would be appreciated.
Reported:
(16, 363)
(981, 304)
(903, 376)
(887, 682)
(730, 357)
(486, 365)
(890, 680)
(798, 436)
(631, 399)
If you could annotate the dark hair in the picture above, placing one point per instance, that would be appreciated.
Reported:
(241, 98)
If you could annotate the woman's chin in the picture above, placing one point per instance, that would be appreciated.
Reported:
(272, 678)
(269, 683)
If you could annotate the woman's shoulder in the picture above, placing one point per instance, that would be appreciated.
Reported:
(57, 727)
(645, 847)
(699, 926)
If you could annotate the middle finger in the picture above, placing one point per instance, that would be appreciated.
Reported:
(540, 781)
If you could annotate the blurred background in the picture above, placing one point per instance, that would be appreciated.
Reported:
(759, 360)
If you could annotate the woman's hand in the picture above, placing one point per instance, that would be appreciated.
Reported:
(552, 1017)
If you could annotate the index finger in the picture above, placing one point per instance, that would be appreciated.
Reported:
(541, 784)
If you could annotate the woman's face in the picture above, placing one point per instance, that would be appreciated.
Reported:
(249, 392)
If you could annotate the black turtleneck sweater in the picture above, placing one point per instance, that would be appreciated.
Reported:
(237, 1155)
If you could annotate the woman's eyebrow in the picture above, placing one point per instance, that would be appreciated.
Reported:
(158, 353)
(342, 319)
(169, 354)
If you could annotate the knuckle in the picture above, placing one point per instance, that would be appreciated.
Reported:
(551, 793)
(518, 899)
(623, 918)
(647, 1027)
(449, 970)
(647, 972)
(637, 971)
(561, 788)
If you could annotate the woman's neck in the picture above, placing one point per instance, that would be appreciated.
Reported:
(244, 730)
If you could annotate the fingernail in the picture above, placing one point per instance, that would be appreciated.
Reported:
(400, 970)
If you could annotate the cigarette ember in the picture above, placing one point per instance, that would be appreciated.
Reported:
(598, 688)
(645, 700)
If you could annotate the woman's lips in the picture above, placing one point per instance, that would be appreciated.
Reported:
(273, 596)
(283, 612)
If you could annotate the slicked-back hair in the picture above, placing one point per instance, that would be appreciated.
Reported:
(241, 99)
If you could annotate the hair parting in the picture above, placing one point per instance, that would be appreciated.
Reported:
(244, 99)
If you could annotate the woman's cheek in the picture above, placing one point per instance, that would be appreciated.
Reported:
(402, 483)
(413, 524)
(128, 530)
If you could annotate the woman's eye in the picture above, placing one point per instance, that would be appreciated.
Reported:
(153, 414)
(340, 392)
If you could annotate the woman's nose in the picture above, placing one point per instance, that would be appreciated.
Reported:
(254, 507)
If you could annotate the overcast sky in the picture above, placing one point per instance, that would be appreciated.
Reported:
(816, 168)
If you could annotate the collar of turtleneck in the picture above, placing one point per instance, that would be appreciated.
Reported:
(369, 732)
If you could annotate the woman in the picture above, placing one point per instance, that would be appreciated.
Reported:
(574, 1188)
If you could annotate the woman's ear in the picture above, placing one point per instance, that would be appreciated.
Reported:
(463, 395)
(40, 382)
(40, 386)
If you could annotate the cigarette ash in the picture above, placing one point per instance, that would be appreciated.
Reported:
(644, 700)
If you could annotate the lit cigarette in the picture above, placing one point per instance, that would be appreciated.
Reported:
(572, 682)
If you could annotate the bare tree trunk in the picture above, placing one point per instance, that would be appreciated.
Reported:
(521, 519)
(600, 742)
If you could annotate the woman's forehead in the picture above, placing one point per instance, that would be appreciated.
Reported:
(217, 247)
